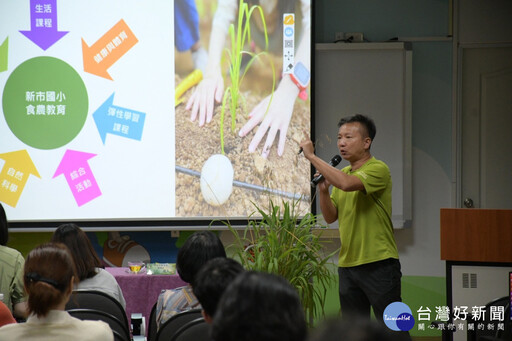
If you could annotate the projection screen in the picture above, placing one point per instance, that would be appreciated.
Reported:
(153, 112)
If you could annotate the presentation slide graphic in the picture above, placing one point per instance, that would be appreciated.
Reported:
(97, 123)
(87, 112)
(247, 157)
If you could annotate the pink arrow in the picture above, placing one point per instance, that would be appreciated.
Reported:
(79, 176)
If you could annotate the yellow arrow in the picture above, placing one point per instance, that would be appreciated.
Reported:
(14, 175)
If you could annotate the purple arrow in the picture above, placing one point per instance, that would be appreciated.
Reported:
(79, 176)
(43, 23)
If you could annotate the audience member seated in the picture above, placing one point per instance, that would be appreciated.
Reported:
(11, 272)
(259, 306)
(352, 329)
(211, 281)
(5, 315)
(198, 249)
(91, 274)
(49, 276)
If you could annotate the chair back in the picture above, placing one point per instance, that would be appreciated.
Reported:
(97, 300)
(152, 328)
(196, 330)
(171, 326)
(119, 330)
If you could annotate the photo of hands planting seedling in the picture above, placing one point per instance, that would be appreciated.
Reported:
(241, 107)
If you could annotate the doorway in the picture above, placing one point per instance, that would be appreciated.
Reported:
(486, 127)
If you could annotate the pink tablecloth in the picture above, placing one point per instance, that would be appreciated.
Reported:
(141, 291)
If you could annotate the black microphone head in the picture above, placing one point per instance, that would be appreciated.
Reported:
(334, 162)
(336, 159)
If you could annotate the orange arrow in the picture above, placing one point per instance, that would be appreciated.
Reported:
(14, 175)
(108, 49)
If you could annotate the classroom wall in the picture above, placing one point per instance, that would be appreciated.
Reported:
(426, 23)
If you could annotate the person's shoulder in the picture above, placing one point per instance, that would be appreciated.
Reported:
(95, 324)
(99, 330)
(102, 280)
(102, 273)
(6, 251)
(178, 289)
(9, 250)
(169, 294)
(7, 328)
(377, 164)
(10, 331)
(96, 330)
(346, 169)
(166, 293)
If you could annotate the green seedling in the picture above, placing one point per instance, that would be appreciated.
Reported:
(240, 36)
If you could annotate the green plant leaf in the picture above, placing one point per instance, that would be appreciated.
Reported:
(240, 35)
(283, 244)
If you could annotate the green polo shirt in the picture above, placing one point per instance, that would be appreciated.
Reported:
(11, 276)
(364, 217)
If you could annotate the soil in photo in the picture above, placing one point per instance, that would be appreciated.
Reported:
(289, 173)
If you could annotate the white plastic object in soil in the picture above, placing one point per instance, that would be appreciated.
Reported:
(217, 179)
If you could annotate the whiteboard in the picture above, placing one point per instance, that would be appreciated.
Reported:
(373, 79)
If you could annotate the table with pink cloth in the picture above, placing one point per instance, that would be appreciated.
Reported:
(141, 291)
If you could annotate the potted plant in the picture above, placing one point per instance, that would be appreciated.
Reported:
(285, 244)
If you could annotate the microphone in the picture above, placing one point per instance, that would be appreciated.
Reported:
(334, 162)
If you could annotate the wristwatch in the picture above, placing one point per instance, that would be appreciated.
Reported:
(300, 77)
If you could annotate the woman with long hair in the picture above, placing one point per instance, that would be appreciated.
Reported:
(49, 277)
(90, 272)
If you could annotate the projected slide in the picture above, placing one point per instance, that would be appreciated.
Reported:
(109, 112)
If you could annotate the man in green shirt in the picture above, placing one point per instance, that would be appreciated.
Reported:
(369, 269)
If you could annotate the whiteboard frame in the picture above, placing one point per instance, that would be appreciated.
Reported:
(402, 218)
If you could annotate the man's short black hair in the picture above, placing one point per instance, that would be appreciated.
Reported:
(365, 121)
(211, 281)
(259, 306)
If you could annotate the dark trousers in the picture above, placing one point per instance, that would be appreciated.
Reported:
(373, 285)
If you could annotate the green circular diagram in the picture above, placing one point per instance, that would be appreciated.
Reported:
(45, 102)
